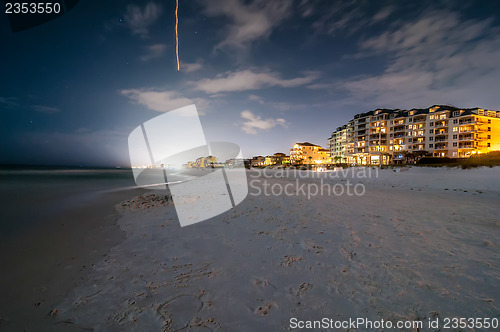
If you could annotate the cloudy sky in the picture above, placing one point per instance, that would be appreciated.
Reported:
(263, 74)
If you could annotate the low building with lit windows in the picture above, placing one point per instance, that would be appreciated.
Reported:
(309, 154)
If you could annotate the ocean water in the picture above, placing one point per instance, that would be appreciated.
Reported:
(31, 196)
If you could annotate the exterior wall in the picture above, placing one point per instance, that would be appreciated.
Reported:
(323, 157)
(277, 159)
(204, 162)
(257, 161)
(307, 153)
(338, 144)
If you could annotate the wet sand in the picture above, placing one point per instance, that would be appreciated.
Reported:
(42, 261)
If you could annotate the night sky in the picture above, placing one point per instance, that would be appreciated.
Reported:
(263, 74)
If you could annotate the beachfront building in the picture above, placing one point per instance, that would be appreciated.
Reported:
(204, 162)
(383, 136)
(277, 159)
(258, 161)
(309, 154)
(338, 144)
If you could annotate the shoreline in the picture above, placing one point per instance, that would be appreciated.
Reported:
(52, 257)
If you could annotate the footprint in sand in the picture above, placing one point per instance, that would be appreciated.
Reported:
(178, 312)
(264, 309)
(289, 260)
(302, 289)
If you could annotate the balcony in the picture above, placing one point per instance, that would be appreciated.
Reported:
(441, 139)
(419, 119)
(470, 121)
(467, 129)
(440, 124)
(441, 132)
(466, 138)
(441, 146)
(378, 149)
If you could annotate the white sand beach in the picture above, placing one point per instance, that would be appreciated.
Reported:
(417, 245)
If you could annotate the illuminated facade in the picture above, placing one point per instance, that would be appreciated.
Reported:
(258, 161)
(386, 136)
(309, 154)
(277, 159)
(204, 162)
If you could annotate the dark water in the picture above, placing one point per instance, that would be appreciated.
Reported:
(30, 196)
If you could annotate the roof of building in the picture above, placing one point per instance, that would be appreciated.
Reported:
(307, 144)
(416, 111)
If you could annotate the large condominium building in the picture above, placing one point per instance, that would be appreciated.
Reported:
(203, 162)
(385, 135)
(338, 144)
(307, 153)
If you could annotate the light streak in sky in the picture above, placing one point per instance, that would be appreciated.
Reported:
(176, 33)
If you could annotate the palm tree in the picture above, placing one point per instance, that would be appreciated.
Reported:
(387, 156)
(420, 154)
(406, 155)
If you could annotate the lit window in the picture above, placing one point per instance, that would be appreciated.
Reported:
(431, 117)
(455, 128)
